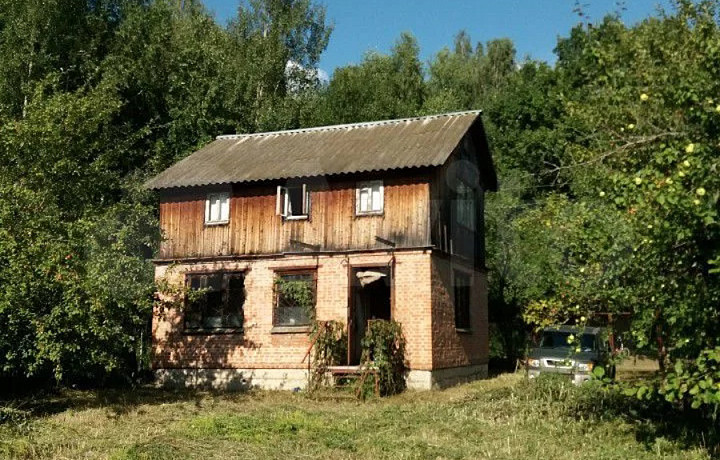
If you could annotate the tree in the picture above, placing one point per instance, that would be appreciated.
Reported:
(466, 79)
(95, 97)
(381, 87)
(636, 161)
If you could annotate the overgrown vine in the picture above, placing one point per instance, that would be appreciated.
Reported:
(329, 349)
(383, 351)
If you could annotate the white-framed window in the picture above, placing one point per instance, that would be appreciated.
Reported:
(293, 202)
(217, 208)
(465, 205)
(369, 197)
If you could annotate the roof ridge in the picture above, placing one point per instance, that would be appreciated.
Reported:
(362, 124)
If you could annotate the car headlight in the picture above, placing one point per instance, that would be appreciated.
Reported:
(532, 362)
(585, 367)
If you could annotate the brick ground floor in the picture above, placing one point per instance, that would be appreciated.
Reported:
(258, 352)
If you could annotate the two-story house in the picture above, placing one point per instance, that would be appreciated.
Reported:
(381, 220)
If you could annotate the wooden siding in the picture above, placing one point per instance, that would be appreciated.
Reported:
(446, 234)
(254, 228)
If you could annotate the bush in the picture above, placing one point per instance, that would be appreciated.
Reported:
(329, 349)
(384, 349)
(15, 419)
(695, 383)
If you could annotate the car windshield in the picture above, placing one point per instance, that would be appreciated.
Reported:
(558, 339)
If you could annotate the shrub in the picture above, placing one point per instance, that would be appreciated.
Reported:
(14, 418)
(384, 349)
(329, 349)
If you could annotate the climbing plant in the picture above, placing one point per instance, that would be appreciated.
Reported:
(383, 350)
(329, 340)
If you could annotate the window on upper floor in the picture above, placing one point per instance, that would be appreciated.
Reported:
(465, 205)
(216, 303)
(461, 299)
(295, 294)
(369, 197)
(293, 202)
(217, 208)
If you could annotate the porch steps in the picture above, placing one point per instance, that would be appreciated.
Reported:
(348, 373)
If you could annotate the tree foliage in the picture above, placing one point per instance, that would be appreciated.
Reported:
(96, 96)
(608, 161)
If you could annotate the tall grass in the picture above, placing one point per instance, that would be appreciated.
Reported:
(506, 417)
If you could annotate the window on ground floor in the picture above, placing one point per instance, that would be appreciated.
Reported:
(461, 299)
(216, 301)
(295, 294)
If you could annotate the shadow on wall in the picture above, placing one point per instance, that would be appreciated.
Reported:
(183, 360)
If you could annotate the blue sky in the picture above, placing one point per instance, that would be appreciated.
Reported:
(533, 25)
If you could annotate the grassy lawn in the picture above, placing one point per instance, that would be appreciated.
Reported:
(494, 418)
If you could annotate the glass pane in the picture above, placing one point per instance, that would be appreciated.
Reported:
(193, 319)
(295, 300)
(214, 208)
(236, 299)
(558, 339)
(364, 199)
(462, 300)
(194, 310)
(206, 311)
(213, 282)
(291, 316)
(376, 198)
(465, 206)
(195, 282)
(224, 208)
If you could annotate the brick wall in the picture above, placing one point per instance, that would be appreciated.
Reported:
(450, 347)
(258, 347)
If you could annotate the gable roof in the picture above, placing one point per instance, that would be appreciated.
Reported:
(326, 150)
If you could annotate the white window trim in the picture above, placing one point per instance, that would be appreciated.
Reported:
(370, 185)
(223, 196)
(282, 204)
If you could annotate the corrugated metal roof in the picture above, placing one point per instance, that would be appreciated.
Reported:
(339, 149)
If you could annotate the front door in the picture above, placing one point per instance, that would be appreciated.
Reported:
(369, 299)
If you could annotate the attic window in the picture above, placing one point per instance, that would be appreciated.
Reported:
(465, 212)
(293, 202)
(369, 197)
(217, 208)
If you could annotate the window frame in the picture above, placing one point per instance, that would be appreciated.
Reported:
(283, 203)
(225, 290)
(208, 199)
(472, 209)
(370, 184)
(467, 326)
(300, 327)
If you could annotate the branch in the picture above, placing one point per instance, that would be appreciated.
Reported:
(622, 148)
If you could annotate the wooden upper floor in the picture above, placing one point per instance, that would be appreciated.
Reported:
(437, 206)
(331, 221)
